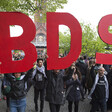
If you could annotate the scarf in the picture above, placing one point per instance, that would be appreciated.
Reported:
(41, 69)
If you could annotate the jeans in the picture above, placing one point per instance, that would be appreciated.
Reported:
(17, 105)
(54, 107)
(99, 103)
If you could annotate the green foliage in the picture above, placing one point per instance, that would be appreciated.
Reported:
(16, 5)
(91, 42)
(52, 5)
(30, 6)
(64, 42)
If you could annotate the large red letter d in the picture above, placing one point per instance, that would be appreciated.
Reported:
(53, 22)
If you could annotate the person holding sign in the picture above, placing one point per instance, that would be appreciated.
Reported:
(39, 78)
(18, 90)
(75, 89)
(54, 90)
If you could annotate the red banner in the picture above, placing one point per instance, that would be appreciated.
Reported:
(23, 42)
(53, 22)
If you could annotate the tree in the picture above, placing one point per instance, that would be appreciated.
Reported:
(30, 6)
(64, 42)
(91, 42)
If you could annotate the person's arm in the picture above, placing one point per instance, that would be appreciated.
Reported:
(73, 80)
(107, 88)
(92, 72)
(4, 82)
(68, 74)
(69, 82)
(34, 73)
(9, 76)
(94, 86)
(66, 77)
(28, 74)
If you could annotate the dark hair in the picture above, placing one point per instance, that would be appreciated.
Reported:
(85, 57)
(81, 58)
(16, 72)
(67, 71)
(91, 62)
(39, 60)
(78, 73)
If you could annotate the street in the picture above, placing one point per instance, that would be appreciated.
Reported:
(84, 106)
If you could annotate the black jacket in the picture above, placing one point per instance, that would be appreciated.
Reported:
(69, 73)
(39, 84)
(75, 91)
(82, 68)
(18, 87)
(54, 90)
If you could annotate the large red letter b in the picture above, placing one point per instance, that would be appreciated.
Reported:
(7, 43)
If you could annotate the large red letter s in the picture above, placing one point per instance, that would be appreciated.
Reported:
(103, 27)
(7, 43)
(53, 22)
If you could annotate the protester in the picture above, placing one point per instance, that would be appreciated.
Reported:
(75, 89)
(39, 78)
(91, 74)
(99, 92)
(18, 90)
(86, 60)
(55, 89)
(30, 82)
(82, 66)
(69, 71)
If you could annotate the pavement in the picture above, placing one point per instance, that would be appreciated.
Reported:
(84, 106)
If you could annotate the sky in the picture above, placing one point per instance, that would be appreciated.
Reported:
(88, 11)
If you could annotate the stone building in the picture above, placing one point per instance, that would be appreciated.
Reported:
(40, 38)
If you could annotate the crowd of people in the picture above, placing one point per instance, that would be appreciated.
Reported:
(83, 78)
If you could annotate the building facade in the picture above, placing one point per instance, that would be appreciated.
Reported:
(40, 38)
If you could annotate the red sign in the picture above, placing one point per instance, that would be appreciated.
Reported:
(103, 27)
(23, 42)
(7, 43)
(53, 22)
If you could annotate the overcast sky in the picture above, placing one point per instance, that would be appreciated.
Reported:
(88, 11)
